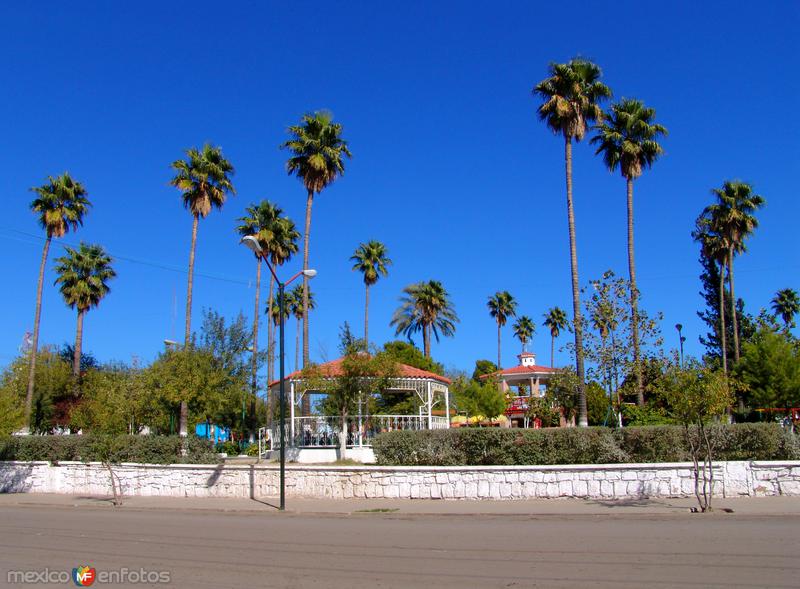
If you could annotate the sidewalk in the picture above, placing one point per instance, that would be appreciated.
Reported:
(773, 506)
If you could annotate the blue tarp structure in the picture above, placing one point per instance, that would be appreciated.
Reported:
(210, 431)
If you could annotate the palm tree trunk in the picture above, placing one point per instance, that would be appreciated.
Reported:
(583, 420)
(722, 337)
(297, 345)
(76, 352)
(637, 365)
(552, 350)
(366, 315)
(309, 203)
(254, 376)
(499, 367)
(426, 341)
(270, 351)
(35, 344)
(270, 332)
(188, 332)
(734, 320)
(187, 337)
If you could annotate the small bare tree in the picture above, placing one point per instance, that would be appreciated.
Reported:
(695, 396)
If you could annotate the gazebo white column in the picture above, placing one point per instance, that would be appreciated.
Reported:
(430, 405)
(447, 406)
(291, 413)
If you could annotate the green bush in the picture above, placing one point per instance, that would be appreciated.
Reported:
(115, 449)
(654, 443)
(229, 447)
(595, 445)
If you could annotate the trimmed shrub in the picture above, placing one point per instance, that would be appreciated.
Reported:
(596, 445)
(115, 449)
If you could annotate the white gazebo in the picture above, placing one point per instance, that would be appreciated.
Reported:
(315, 438)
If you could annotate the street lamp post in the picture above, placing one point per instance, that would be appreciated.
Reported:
(681, 339)
(251, 242)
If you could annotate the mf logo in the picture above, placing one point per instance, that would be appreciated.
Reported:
(84, 576)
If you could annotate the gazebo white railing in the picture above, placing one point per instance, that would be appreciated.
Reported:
(322, 431)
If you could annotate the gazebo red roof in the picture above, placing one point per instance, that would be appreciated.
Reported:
(334, 368)
(521, 370)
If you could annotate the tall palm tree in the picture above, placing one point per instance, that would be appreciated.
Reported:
(628, 140)
(60, 205)
(295, 306)
(83, 276)
(204, 181)
(786, 303)
(501, 306)
(524, 329)
(733, 216)
(571, 96)
(371, 259)
(277, 236)
(556, 320)
(317, 159)
(714, 247)
(425, 307)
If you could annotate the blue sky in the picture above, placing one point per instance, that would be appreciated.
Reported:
(451, 168)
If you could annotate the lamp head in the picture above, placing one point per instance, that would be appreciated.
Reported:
(251, 242)
(310, 273)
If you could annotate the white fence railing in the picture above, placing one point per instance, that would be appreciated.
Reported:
(320, 431)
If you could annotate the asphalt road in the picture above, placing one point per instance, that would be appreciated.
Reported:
(226, 550)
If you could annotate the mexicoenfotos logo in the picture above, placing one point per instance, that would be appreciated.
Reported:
(84, 576)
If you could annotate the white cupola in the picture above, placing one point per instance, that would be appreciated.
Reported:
(527, 359)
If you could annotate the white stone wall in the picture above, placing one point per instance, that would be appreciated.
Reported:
(612, 481)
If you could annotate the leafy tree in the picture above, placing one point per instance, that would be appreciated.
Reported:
(88, 361)
(317, 158)
(60, 205)
(54, 395)
(230, 343)
(204, 181)
(483, 367)
(425, 307)
(196, 378)
(410, 355)
(478, 399)
(361, 374)
(786, 305)
(628, 140)
(696, 395)
(556, 320)
(371, 259)
(524, 328)
(277, 236)
(770, 369)
(562, 392)
(609, 344)
(733, 218)
(83, 276)
(115, 401)
(571, 97)
(718, 341)
(501, 306)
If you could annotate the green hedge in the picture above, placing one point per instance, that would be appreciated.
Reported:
(115, 449)
(595, 445)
